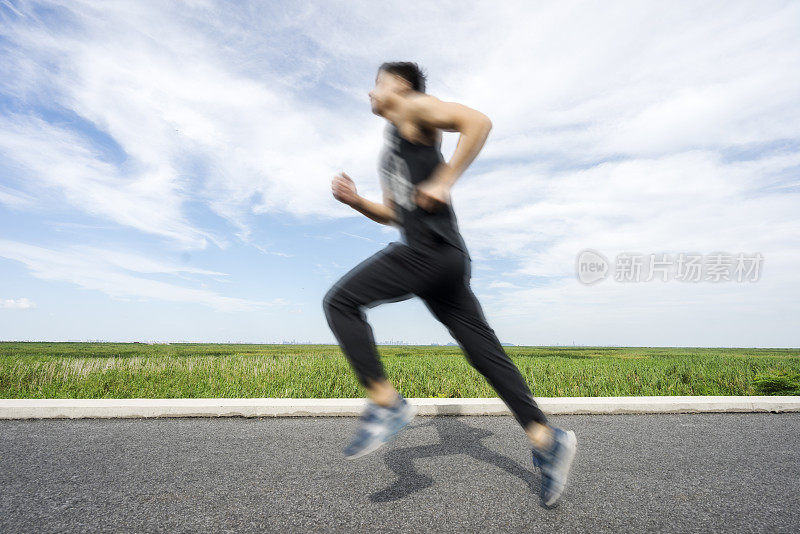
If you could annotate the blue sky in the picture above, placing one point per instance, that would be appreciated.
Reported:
(165, 167)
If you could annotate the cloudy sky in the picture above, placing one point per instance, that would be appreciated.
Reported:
(165, 167)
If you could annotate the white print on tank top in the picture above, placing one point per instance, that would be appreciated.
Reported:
(395, 173)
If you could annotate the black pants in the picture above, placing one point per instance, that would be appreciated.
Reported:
(440, 277)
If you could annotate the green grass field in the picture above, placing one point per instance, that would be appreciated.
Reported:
(120, 370)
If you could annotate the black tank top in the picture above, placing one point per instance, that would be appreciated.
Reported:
(402, 165)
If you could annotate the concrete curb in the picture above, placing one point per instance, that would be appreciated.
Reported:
(273, 407)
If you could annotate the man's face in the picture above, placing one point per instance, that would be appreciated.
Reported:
(386, 86)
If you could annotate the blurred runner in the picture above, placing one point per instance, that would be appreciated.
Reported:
(430, 261)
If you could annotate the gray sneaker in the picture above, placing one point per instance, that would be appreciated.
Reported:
(379, 425)
(555, 465)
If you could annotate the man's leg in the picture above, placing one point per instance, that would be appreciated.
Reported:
(457, 308)
(383, 277)
(455, 305)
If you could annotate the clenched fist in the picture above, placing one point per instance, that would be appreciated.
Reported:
(344, 189)
(432, 195)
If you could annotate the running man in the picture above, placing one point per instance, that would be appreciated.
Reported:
(430, 261)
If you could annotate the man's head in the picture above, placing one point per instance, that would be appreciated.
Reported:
(395, 79)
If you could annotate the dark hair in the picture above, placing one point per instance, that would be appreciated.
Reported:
(408, 71)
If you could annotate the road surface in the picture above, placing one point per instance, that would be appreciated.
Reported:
(727, 472)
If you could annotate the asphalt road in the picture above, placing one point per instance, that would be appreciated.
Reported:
(632, 473)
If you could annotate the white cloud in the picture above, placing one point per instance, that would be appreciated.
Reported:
(14, 199)
(685, 201)
(17, 304)
(59, 159)
(679, 78)
(109, 272)
(193, 124)
(502, 284)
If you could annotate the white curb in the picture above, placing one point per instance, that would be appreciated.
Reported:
(273, 407)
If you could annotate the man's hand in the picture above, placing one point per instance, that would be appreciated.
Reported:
(433, 194)
(344, 189)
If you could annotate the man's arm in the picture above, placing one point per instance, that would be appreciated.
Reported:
(344, 190)
(377, 212)
(473, 125)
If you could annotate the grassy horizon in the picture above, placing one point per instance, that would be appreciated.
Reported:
(193, 370)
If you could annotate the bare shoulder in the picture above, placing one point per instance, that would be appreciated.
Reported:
(421, 109)
(431, 112)
(408, 120)
(422, 103)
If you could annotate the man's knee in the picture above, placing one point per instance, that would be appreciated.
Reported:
(335, 300)
(328, 301)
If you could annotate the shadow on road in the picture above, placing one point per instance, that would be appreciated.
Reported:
(455, 438)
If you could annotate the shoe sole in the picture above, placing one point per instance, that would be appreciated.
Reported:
(366, 450)
(573, 448)
(412, 412)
